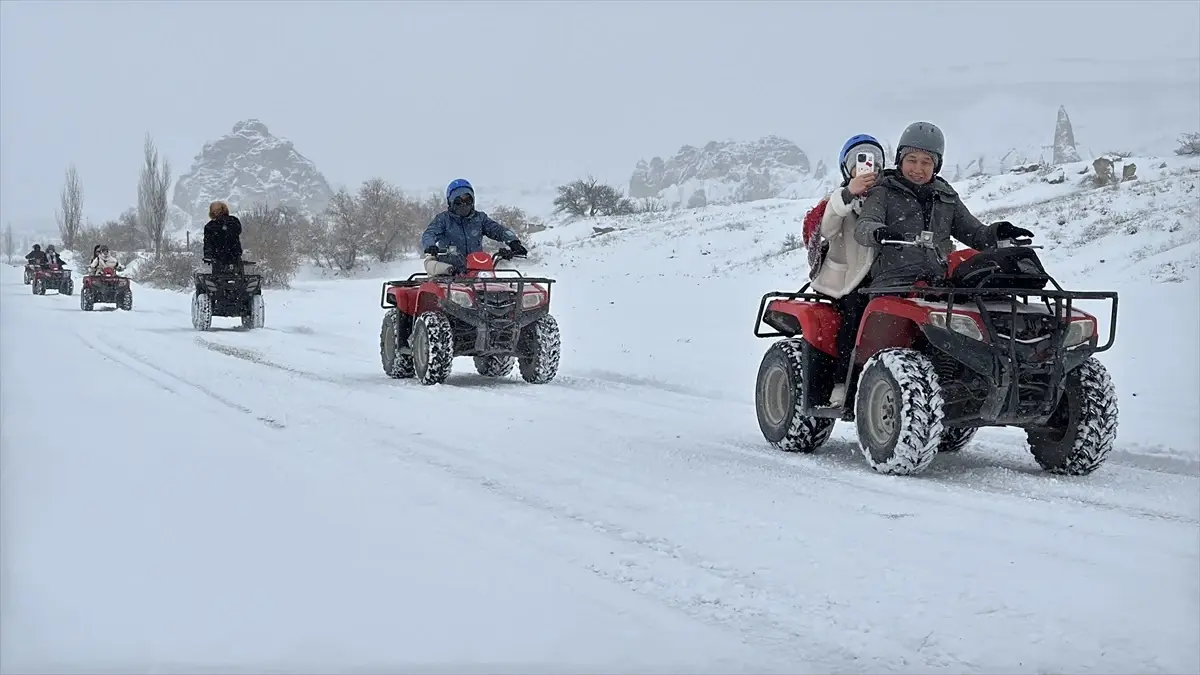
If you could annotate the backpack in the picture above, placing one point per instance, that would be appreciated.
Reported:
(1016, 267)
(818, 246)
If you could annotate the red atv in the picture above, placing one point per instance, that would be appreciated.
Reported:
(52, 277)
(989, 345)
(474, 312)
(106, 287)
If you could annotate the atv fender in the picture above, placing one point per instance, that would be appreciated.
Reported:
(888, 322)
(404, 299)
(816, 322)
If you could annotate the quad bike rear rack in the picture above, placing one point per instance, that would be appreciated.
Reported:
(420, 278)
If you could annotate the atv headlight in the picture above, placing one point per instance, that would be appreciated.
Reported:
(1079, 332)
(532, 299)
(462, 298)
(959, 323)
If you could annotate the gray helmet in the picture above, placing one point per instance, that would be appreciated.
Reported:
(923, 136)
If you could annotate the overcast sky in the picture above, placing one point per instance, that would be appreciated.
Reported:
(512, 93)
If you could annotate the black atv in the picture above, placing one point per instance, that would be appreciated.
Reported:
(228, 291)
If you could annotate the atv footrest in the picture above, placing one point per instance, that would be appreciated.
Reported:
(833, 412)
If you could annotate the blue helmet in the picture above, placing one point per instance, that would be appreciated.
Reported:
(855, 141)
(457, 187)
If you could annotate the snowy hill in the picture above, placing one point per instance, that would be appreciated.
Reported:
(724, 172)
(246, 166)
(269, 500)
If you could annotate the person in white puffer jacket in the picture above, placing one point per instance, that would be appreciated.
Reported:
(846, 262)
(103, 259)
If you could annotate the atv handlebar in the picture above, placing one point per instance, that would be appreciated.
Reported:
(925, 240)
(500, 254)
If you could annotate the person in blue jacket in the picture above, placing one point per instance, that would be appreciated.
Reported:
(462, 228)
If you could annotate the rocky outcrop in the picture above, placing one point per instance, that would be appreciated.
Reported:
(249, 166)
(726, 172)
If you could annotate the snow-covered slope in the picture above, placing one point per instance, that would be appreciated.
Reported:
(246, 166)
(269, 499)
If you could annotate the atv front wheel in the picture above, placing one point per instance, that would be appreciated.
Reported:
(86, 300)
(39, 287)
(956, 438)
(778, 397)
(28, 278)
(898, 411)
(257, 318)
(494, 366)
(540, 346)
(393, 333)
(1084, 425)
(201, 311)
(432, 348)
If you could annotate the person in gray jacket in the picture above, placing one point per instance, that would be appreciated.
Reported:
(913, 198)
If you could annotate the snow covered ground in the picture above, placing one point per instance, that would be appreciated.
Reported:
(172, 500)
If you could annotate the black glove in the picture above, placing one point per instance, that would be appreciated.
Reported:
(1006, 230)
(882, 234)
(517, 247)
(432, 249)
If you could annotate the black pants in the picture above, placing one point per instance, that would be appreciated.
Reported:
(851, 306)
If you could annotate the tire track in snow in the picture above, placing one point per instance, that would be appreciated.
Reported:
(832, 465)
(727, 598)
(147, 363)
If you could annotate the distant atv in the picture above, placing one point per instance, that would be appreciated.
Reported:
(988, 346)
(54, 277)
(228, 291)
(106, 287)
(472, 312)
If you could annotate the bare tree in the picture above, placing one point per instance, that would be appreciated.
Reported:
(345, 237)
(9, 245)
(269, 236)
(381, 213)
(152, 196)
(586, 198)
(69, 216)
(515, 219)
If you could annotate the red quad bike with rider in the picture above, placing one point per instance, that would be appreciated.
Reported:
(53, 276)
(496, 316)
(990, 345)
(108, 287)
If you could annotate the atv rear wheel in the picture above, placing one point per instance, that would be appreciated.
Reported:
(432, 348)
(201, 311)
(778, 398)
(393, 333)
(1085, 424)
(956, 438)
(540, 346)
(898, 412)
(125, 302)
(257, 317)
(494, 366)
